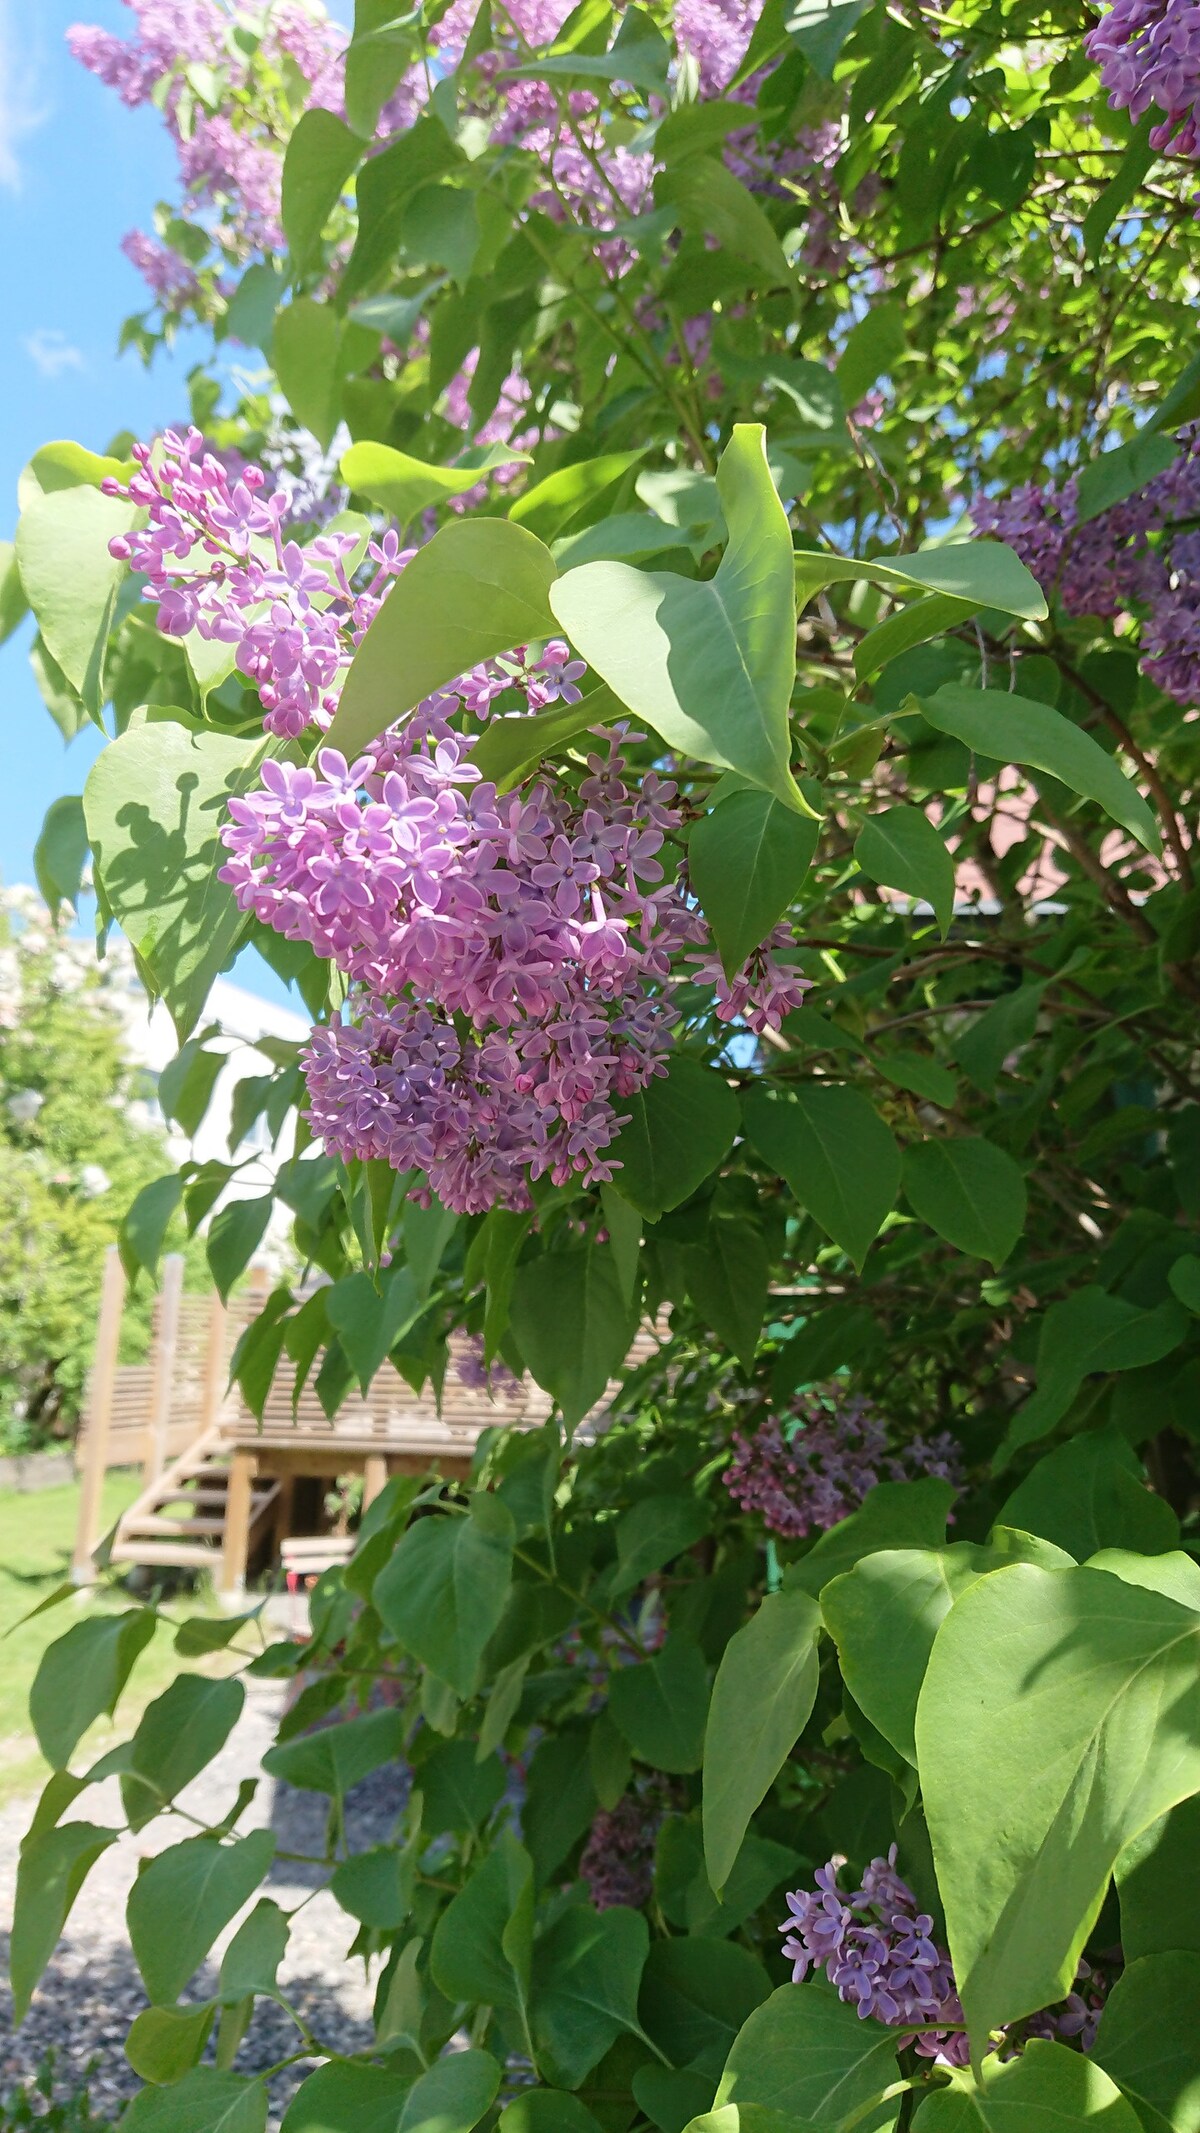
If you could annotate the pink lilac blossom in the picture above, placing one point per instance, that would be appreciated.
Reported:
(762, 992)
(165, 272)
(878, 1950)
(216, 560)
(1142, 554)
(230, 159)
(502, 953)
(1149, 53)
(804, 1475)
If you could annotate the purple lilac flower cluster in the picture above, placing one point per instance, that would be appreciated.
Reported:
(804, 1474)
(1149, 53)
(509, 957)
(617, 1861)
(215, 559)
(477, 1375)
(1142, 554)
(229, 158)
(878, 1950)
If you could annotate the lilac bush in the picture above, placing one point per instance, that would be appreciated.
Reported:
(802, 1473)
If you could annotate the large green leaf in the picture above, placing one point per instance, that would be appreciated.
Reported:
(404, 487)
(652, 1533)
(320, 156)
(901, 849)
(306, 358)
(661, 1706)
(336, 1757)
(1088, 1331)
(747, 859)
(586, 1975)
(837, 1155)
(478, 587)
(344, 2098)
(1042, 1753)
(546, 2111)
(1158, 1877)
(573, 495)
(884, 1615)
(483, 1942)
(969, 1191)
(894, 1514)
(683, 1123)
(573, 1322)
(51, 1871)
(154, 803)
(1048, 2087)
(985, 573)
(1088, 1494)
(205, 2101)
(183, 1898)
(808, 2055)
(696, 1994)
(709, 665)
(1147, 2036)
(444, 1590)
(991, 722)
(82, 1675)
(765, 1688)
(177, 1737)
(370, 1315)
(70, 579)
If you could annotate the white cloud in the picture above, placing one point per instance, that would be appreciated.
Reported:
(51, 352)
(20, 112)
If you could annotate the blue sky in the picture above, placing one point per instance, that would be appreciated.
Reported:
(77, 169)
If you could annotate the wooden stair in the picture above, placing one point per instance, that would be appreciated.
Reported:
(178, 1521)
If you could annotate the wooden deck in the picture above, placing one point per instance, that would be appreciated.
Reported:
(222, 1490)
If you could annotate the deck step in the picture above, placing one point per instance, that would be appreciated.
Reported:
(153, 1526)
(165, 1555)
(193, 1496)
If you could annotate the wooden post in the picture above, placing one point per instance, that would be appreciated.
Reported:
(162, 1384)
(236, 1543)
(375, 1476)
(212, 1396)
(100, 1399)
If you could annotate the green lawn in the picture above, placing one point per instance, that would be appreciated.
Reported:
(37, 1533)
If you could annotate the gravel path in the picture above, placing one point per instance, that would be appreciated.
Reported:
(92, 1989)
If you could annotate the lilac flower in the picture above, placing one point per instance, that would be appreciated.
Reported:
(1130, 558)
(878, 1951)
(762, 992)
(216, 560)
(617, 1861)
(480, 1376)
(1149, 53)
(806, 1478)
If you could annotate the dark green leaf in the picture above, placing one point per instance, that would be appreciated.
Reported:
(574, 1323)
(82, 1675)
(901, 849)
(444, 1590)
(61, 852)
(661, 1706)
(205, 2101)
(320, 157)
(177, 1737)
(1090, 1494)
(53, 1867)
(807, 2054)
(335, 1758)
(234, 1235)
(747, 859)
(837, 1155)
(894, 1514)
(587, 1971)
(164, 2043)
(992, 722)
(969, 1191)
(683, 1123)
(183, 1898)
